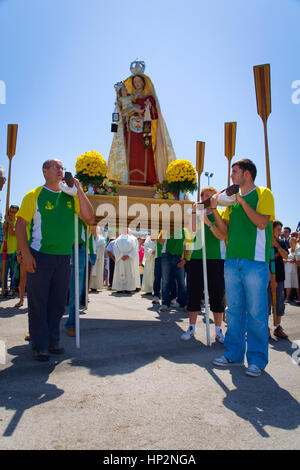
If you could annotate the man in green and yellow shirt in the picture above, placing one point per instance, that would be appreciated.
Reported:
(46, 256)
(248, 224)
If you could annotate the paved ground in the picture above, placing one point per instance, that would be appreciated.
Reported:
(135, 385)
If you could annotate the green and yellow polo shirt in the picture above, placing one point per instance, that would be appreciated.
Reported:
(51, 218)
(215, 248)
(245, 240)
(11, 241)
(174, 245)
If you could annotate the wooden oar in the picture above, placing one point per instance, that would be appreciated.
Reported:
(230, 135)
(263, 100)
(12, 130)
(200, 147)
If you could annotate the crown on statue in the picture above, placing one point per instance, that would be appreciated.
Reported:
(137, 66)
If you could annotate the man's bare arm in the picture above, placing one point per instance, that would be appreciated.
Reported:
(260, 220)
(86, 209)
(22, 240)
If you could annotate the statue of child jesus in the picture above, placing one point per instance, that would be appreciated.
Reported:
(127, 103)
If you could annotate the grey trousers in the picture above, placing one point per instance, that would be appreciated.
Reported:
(47, 290)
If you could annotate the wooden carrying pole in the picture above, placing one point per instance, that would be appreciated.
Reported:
(230, 135)
(200, 147)
(263, 101)
(12, 130)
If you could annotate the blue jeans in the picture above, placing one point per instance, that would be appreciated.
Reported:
(246, 284)
(81, 269)
(170, 273)
(8, 269)
(157, 281)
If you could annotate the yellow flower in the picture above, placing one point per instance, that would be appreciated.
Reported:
(91, 164)
(180, 170)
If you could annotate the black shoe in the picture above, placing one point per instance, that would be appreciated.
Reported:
(57, 350)
(41, 356)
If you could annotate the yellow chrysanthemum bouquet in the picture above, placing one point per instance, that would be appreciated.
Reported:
(180, 176)
(91, 169)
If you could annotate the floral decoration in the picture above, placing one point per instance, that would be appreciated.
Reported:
(106, 188)
(180, 176)
(163, 193)
(91, 169)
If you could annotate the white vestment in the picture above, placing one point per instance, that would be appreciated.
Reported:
(98, 268)
(148, 262)
(124, 273)
(136, 263)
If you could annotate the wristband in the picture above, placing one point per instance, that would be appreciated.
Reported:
(211, 226)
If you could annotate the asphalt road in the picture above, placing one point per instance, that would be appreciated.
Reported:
(134, 385)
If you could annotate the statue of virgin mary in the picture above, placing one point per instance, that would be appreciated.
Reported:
(141, 149)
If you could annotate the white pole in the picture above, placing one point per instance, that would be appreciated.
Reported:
(76, 266)
(205, 275)
(87, 267)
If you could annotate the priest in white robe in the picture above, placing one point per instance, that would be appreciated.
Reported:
(98, 268)
(125, 252)
(136, 261)
(148, 262)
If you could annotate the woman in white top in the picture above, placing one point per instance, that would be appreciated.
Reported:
(291, 274)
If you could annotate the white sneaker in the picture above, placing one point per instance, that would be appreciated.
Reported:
(155, 300)
(174, 303)
(220, 337)
(253, 370)
(164, 308)
(224, 362)
(188, 334)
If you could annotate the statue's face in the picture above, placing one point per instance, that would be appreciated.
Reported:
(123, 92)
(138, 83)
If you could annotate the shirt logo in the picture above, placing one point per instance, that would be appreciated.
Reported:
(49, 206)
(69, 204)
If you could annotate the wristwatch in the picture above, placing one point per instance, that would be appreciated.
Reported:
(211, 226)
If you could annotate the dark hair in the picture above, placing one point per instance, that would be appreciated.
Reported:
(246, 165)
(276, 223)
(13, 206)
(144, 81)
(287, 228)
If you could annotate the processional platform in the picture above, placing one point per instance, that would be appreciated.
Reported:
(137, 208)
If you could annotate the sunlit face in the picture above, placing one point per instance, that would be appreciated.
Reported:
(237, 175)
(12, 212)
(55, 171)
(207, 194)
(277, 231)
(286, 233)
(138, 83)
(293, 244)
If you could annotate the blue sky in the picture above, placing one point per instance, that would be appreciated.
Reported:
(60, 59)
